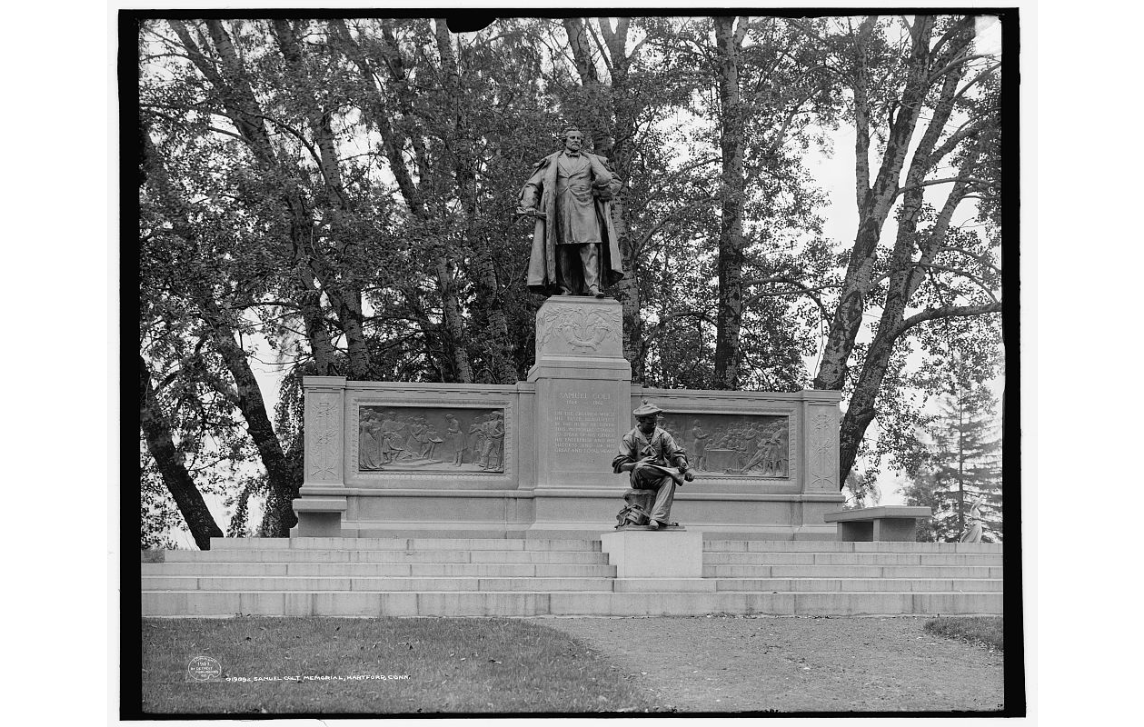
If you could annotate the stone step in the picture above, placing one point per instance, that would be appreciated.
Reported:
(411, 544)
(503, 570)
(510, 604)
(447, 575)
(325, 583)
(484, 533)
(388, 584)
(850, 585)
(850, 571)
(962, 559)
(830, 546)
(300, 555)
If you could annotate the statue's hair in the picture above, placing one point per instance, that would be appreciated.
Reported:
(569, 127)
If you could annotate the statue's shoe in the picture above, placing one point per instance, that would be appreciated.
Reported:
(653, 524)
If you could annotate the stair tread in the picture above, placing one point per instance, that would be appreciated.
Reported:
(438, 576)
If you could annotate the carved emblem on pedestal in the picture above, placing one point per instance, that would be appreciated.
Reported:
(581, 330)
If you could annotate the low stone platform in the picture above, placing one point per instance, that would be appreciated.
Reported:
(567, 577)
(896, 523)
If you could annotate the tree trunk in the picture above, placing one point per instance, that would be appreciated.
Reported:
(960, 465)
(860, 411)
(345, 295)
(729, 313)
(622, 152)
(377, 110)
(499, 349)
(874, 203)
(282, 482)
(178, 480)
(451, 319)
(241, 107)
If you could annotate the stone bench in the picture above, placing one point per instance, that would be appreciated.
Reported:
(319, 517)
(883, 523)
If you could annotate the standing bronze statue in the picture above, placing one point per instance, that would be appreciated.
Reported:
(574, 245)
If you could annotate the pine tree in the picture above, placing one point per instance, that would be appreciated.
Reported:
(965, 453)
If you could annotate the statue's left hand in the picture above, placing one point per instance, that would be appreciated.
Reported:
(688, 476)
(530, 212)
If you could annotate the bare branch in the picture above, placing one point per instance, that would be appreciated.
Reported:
(227, 133)
(600, 45)
(956, 62)
(802, 290)
(675, 214)
(741, 31)
(985, 72)
(946, 180)
(964, 311)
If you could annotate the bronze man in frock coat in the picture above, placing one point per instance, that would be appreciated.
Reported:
(574, 245)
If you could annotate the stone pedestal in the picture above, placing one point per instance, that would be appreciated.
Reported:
(323, 493)
(583, 396)
(655, 554)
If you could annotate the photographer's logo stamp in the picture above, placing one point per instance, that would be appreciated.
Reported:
(204, 669)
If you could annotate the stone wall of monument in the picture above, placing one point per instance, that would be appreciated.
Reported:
(761, 441)
(383, 457)
(409, 456)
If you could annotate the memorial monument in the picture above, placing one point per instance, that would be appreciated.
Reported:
(540, 456)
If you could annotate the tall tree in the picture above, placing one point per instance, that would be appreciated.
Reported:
(732, 190)
(737, 209)
(928, 79)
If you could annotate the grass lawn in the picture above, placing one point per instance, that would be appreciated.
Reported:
(982, 630)
(425, 665)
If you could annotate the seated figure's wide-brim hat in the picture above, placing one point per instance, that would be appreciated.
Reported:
(647, 410)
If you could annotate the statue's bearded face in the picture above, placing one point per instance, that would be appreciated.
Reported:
(573, 140)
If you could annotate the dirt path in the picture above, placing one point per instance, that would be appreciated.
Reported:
(728, 664)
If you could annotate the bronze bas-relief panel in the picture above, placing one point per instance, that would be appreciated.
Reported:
(420, 439)
(746, 445)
